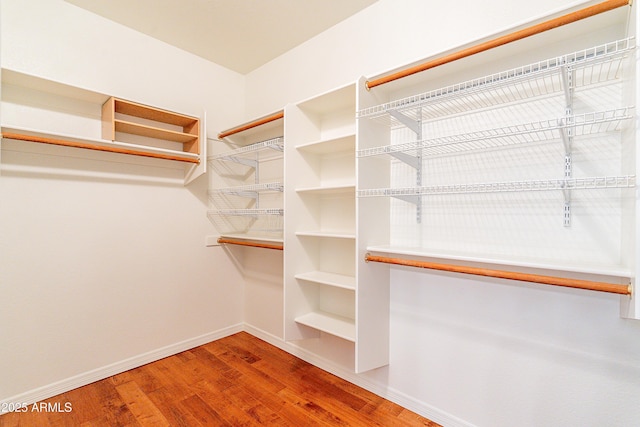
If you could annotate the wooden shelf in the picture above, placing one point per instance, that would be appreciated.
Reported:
(153, 132)
(131, 118)
(338, 326)
(155, 114)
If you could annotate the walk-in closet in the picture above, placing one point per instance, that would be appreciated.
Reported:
(319, 213)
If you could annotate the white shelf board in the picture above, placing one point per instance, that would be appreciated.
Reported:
(326, 234)
(590, 269)
(338, 326)
(346, 142)
(334, 100)
(17, 78)
(329, 189)
(329, 279)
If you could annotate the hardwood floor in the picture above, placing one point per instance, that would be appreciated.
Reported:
(239, 380)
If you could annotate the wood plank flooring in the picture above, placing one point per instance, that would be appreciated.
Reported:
(239, 380)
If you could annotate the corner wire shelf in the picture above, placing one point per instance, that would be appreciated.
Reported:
(548, 130)
(247, 212)
(248, 221)
(236, 155)
(587, 67)
(250, 190)
(625, 181)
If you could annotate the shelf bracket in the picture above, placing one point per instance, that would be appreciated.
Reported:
(410, 160)
(414, 200)
(568, 77)
(567, 207)
(567, 133)
(415, 126)
(246, 162)
(277, 147)
(414, 161)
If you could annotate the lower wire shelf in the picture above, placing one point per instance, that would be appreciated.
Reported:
(267, 222)
(625, 181)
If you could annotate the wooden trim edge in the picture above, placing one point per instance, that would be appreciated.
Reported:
(227, 241)
(568, 18)
(614, 288)
(251, 125)
(88, 146)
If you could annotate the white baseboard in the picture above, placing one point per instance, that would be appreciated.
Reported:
(98, 374)
(434, 414)
(375, 387)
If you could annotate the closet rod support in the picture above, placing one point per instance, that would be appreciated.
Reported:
(614, 288)
(550, 24)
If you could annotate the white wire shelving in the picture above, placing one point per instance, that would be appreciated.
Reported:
(246, 154)
(625, 181)
(587, 67)
(547, 130)
(250, 190)
(247, 212)
(247, 221)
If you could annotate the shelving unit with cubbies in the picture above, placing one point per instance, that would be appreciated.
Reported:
(322, 293)
(47, 112)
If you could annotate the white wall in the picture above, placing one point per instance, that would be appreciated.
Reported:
(385, 36)
(102, 256)
(471, 350)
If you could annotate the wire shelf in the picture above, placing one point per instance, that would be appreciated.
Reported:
(248, 221)
(247, 212)
(591, 66)
(276, 144)
(248, 190)
(548, 130)
(625, 181)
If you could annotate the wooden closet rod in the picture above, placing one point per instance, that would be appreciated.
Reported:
(512, 275)
(499, 41)
(88, 146)
(228, 241)
(251, 125)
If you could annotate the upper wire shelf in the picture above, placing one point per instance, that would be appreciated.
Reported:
(591, 66)
(625, 181)
(274, 144)
(547, 130)
(248, 221)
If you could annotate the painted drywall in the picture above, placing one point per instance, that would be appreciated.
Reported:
(385, 36)
(471, 351)
(103, 256)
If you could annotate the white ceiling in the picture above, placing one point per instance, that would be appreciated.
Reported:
(237, 34)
